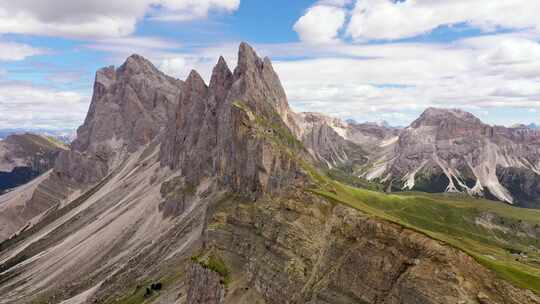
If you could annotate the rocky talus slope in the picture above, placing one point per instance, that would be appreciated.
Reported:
(212, 201)
(339, 144)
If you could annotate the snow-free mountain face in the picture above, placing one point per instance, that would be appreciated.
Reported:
(66, 136)
(444, 150)
(454, 151)
(341, 144)
(151, 160)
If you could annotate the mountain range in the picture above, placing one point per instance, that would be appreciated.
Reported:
(178, 191)
(448, 150)
(64, 135)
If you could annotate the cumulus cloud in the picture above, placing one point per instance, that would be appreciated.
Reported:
(320, 24)
(387, 19)
(23, 105)
(391, 19)
(98, 18)
(10, 51)
(181, 10)
(371, 80)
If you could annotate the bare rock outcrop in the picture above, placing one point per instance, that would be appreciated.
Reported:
(205, 286)
(454, 151)
(130, 106)
(180, 170)
(303, 250)
(234, 129)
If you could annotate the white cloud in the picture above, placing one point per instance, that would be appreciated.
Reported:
(370, 81)
(97, 18)
(320, 24)
(120, 48)
(354, 80)
(386, 19)
(181, 10)
(513, 51)
(10, 51)
(23, 105)
(180, 66)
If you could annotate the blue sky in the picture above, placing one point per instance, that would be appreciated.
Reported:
(364, 59)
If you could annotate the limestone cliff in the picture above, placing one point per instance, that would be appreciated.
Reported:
(24, 157)
(129, 107)
(234, 129)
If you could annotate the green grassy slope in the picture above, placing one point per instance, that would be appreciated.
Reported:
(455, 221)
(452, 219)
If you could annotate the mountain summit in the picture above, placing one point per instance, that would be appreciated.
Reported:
(231, 127)
(454, 151)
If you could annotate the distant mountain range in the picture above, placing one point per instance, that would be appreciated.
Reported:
(64, 135)
(444, 150)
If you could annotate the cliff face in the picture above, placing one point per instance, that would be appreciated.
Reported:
(444, 150)
(129, 107)
(301, 249)
(453, 151)
(234, 129)
(348, 146)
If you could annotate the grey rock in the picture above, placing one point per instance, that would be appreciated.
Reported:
(130, 106)
(204, 286)
(454, 151)
(229, 129)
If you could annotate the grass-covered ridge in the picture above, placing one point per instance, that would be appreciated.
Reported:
(457, 221)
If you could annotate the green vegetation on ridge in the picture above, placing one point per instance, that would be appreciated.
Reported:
(459, 221)
(513, 255)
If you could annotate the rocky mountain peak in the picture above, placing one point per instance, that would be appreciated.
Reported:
(221, 80)
(248, 60)
(437, 116)
(195, 80)
(129, 107)
(214, 133)
(255, 80)
(137, 64)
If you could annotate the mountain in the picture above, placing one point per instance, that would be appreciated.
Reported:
(453, 151)
(444, 150)
(187, 192)
(24, 161)
(339, 144)
(25, 156)
(66, 136)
